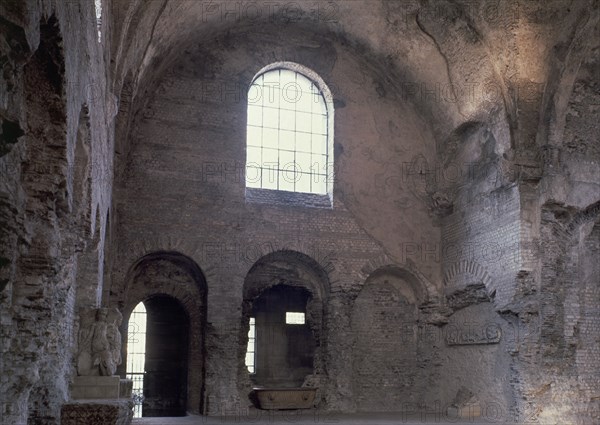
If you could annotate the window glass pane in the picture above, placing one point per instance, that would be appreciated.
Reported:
(286, 160)
(319, 184)
(304, 102)
(254, 135)
(269, 178)
(286, 140)
(319, 124)
(319, 105)
(303, 184)
(291, 93)
(319, 144)
(303, 122)
(269, 139)
(287, 179)
(271, 95)
(303, 142)
(271, 118)
(255, 115)
(288, 100)
(294, 318)
(319, 163)
(303, 161)
(269, 158)
(287, 120)
(253, 156)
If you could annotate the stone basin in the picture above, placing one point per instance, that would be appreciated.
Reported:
(283, 398)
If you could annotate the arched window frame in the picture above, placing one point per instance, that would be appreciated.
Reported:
(278, 196)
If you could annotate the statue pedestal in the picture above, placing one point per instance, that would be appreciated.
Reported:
(97, 412)
(95, 387)
(99, 400)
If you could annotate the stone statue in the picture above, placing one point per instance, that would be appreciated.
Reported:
(114, 336)
(99, 350)
(84, 351)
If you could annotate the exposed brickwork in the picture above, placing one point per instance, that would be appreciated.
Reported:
(467, 175)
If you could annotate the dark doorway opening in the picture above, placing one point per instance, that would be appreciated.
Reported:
(167, 345)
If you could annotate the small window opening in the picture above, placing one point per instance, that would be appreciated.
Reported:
(289, 134)
(251, 351)
(294, 318)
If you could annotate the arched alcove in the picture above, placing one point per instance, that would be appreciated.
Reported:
(289, 347)
(384, 365)
(170, 282)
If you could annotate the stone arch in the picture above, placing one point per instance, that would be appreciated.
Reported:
(408, 271)
(177, 276)
(466, 268)
(297, 271)
(384, 319)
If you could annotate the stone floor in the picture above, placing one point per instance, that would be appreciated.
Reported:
(283, 418)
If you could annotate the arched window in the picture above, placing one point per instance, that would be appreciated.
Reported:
(289, 144)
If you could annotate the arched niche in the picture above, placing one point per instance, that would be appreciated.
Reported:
(278, 283)
(172, 276)
(384, 322)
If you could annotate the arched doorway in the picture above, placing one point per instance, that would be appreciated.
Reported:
(173, 291)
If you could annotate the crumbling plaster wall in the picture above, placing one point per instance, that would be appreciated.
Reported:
(517, 62)
(55, 185)
(534, 70)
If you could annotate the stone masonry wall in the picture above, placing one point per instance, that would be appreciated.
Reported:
(52, 188)
(184, 191)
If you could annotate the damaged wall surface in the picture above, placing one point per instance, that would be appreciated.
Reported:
(455, 270)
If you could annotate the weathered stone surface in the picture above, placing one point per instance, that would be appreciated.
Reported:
(95, 387)
(99, 343)
(97, 413)
(467, 175)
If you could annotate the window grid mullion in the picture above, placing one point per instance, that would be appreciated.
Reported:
(295, 132)
(311, 155)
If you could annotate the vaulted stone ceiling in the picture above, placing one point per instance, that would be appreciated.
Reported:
(501, 63)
